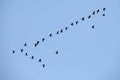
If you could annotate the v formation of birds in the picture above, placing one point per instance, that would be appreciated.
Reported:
(57, 33)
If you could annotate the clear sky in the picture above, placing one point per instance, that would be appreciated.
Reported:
(84, 53)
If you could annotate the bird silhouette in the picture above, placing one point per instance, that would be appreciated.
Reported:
(43, 65)
(35, 45)
(50, 34)
(76, 22)
(89, 16)
(71, 24)
(32, 57)
(25, 44)
(56, 52)
(43, 39)
(40, 60)
(61, 30)
(38, 42)
(22, 50)
(83, 18)
(66, 28)
(26, 54)
(57, 32)
(104, 9)
(13, 51)
(103, 14)
(93, 13)
(93, 26)
(98, 11)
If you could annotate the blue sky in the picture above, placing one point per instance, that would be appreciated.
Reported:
(84, 53)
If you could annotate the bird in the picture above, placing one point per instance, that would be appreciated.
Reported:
(39, 60)
(35, 45)
(83, 18)
(104, 9)
(98, 10)
(89, 16)
(93, 13)
(57, 32)
(43, 65)
(22, 50)
(56, 52)
(26, 54)
(71, 24)
(76, 22)
(32, 57)
(93, 26)
(13, 51)
(37, 42)
(61, 30)
(103, 14)
(25, 44)
(50, 34)
(43, 39)
(66, 28)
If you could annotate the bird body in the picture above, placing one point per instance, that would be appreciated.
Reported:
(50, 35)
(61, 30)
(57, 32)
(43, 39)
(32, 57)
(71, 24)
(103, 14)
(104, 9)
(43, 65)
(25, 54)
(76, 22)
(13, 51)
(89, 16)
(25, 44)
(39, 60)
(83, 18)
(93, 13)
(93, 26)
(56, 52)
(22, 50)
(98, 11)
(66, 28)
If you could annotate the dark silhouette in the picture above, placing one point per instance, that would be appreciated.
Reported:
(13, 51)
(83, 18)
(26, 54)
(35, 45)
(50, 35)
(71, 24)
(43, 39)
(89, 16)
(61, 30)
(32, 57)
(103, 14)
(39, 60)
(22, 50)
(93, 26)
(43, 65)
(93, 13)
(98, 11)
(25, 44)
(104, 9)
(76, 22)
(66, 28)
(57, 32)
(56, 52)
(38, 42)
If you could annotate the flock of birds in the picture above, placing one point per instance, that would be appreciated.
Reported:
(58, 32)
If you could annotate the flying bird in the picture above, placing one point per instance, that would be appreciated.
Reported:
(38, 42)
(83, 18)
(57, 32)
(93, 26)
(50, 34)
(89, 16)
(39, 60)
(98, 11)
(43, 65)
(35, 45)
(25, 44)
(26, 54)
(43, 39)
(66, 28)
(22, 50)
(76, 22)
(104, 9)
(32, 57)
(93, 13)
(61, 30)
(56, 52)
(71, 24)
(13, 51)
(103, 14)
